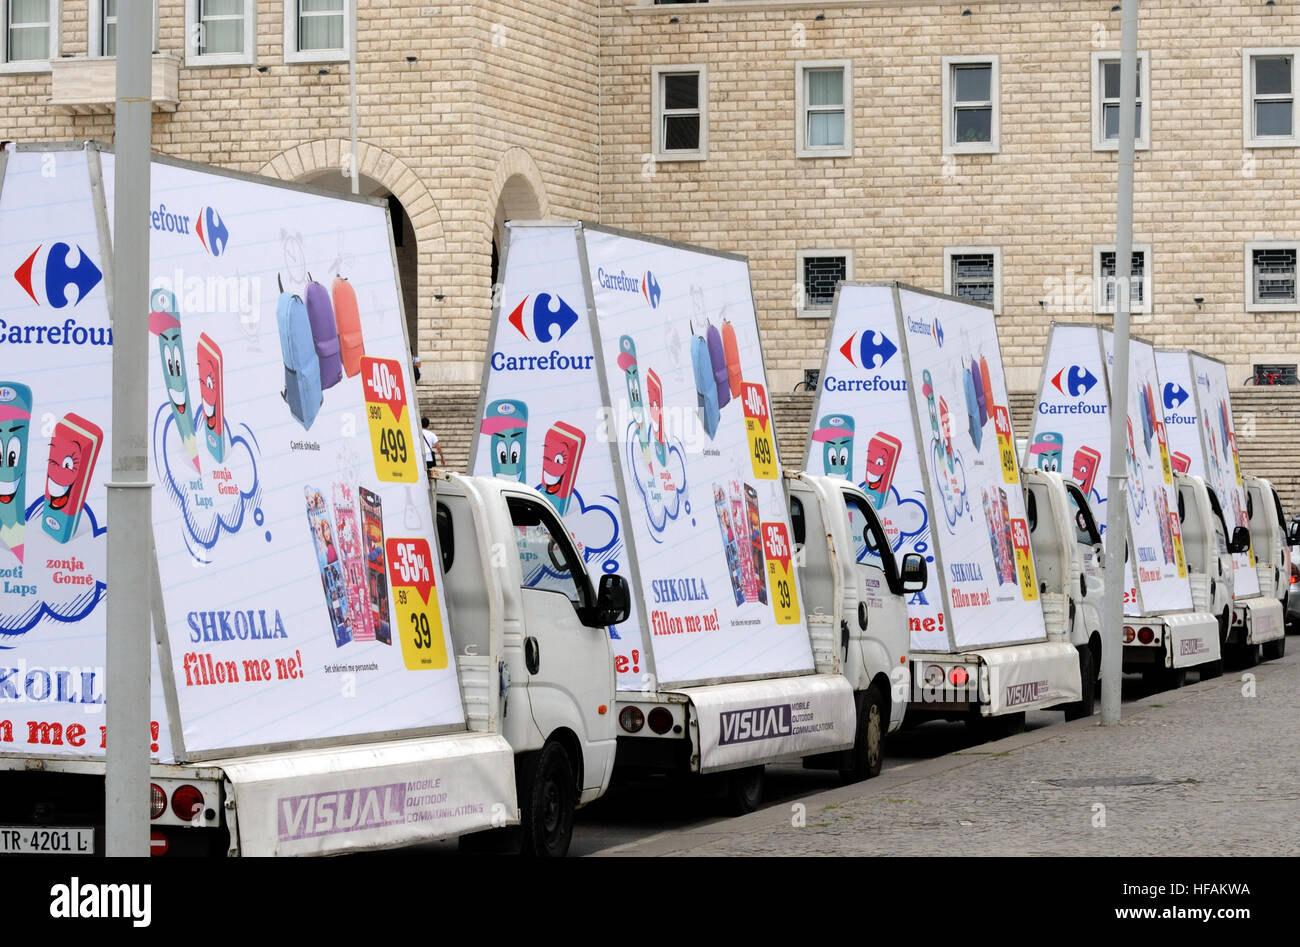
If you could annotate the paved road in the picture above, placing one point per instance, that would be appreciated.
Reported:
(1212, 769)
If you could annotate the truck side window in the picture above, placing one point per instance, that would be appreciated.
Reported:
(446, 541)
(870, 544)
(546, 556)
(1085, 529)
(797, 523)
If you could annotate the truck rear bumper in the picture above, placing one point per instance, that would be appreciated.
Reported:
(1261, 618)
(999, 680)
(1185, 639)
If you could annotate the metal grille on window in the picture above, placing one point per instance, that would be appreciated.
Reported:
(1137, 278)
(973, 278)
(821, 274)
(1275, 273)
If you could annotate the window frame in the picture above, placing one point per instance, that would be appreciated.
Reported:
(1099, 304)
(1251, 247)
(1249, 138)
(30, 65)
(656, 112)
(1142, 140)
(950, 252)
(294, 55)
(95, 30)
(950, 145)
(801, 70)
(559, 534)
(802, 309)
(196, 59)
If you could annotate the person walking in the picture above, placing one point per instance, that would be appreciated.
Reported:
(431, 445)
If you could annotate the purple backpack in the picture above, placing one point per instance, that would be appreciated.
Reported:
(325, 333)
(718, 356)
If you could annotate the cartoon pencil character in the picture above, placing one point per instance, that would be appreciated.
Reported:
(632, 375)
(506, 422)
(883, 451)
(164, 323)
(1086, 463)
(15, 422)
(1048, 448)
(835, 434)
(74, 448)
(927, 389)
(213, 392)
(561, 455)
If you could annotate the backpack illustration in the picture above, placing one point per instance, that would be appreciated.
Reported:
(706, 386)
(325, 332)
(348, 319)
(302, 391)
(732, 352)
(719, 363)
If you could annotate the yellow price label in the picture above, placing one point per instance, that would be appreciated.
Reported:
(1163, 441)
(780, 573)
(1006, 449)
(1024, 560)
(758, 428)
(415, 602)
(397, 459)
(1179, 556)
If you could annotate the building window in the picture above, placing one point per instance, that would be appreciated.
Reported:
(824, 109)
(681, 113)
(1105, 102)
(1105, 277)
(820, 273)
(220, 32)
(1268, 97)
(1271, 277)
(103, 28)
(317, 30)
(974, 274)
(30, 37)
(970, 105)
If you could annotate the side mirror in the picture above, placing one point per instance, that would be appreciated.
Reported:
(1240, 540)
(613, 602)
(914, 574)
(1293, 533)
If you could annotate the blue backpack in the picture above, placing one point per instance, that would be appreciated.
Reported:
(706, 385)
(302, 391)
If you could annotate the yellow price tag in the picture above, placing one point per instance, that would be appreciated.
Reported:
(1163, 441)
(1179, 556)
(780, 573)
(415, 600)
(758, 427)
(1006, 449)
(1024, 560)
(397, 460)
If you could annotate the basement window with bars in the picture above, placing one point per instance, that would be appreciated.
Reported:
(974, 273)
(1272, 277)
(1106, 281)
(820, 272)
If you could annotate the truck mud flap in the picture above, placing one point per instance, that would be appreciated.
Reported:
(1264, 618)
(756, 721)
(345, 799)
(1031, 677)
(1193, 638)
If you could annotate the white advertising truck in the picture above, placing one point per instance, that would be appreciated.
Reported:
(1163, 634)
(1195, 397)
(340, 660)
(912, 408)
(625, 379)
(1269, 535)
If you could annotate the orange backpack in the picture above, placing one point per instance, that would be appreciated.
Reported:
(348, 319)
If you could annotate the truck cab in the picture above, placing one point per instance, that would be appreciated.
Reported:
(1209, 549)
(1262, 633)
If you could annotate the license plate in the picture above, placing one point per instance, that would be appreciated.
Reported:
(25, 840)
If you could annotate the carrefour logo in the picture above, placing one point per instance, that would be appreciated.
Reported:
(552, 318)
(936, 333)
(646, 286)
(1174, 395)
(873, 349)
(208, 226)
(1075, 381)
(932, 328)
(45, 277)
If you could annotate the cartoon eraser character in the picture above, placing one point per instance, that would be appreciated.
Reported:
(835, 434)
(164, 323)
(973, 424)
(213, 392)
(883, 451)
(561, 455)
(1047, 450)
(74, 448)
(927, 389)
(15, 422)
(1180, 462)
(1087, 462)
(506, 422)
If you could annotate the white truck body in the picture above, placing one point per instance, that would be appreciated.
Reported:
(946, 485)
(1071, 433)
(333, 673)
(1264, 625)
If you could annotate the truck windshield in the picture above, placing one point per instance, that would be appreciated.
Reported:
(870, 543)
(546, 557)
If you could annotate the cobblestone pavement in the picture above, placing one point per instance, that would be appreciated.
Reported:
(1212, 769)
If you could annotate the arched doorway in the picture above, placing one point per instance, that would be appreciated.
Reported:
(518, 200)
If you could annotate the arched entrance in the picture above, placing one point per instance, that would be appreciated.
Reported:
(520, 196)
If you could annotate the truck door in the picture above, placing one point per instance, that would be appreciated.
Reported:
(879, 585)
(1283, 560)
(569, 665)
(1087, 543)
(1262, 539)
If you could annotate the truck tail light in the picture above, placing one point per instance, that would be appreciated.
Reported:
(157, 801)
(661, 720)
(1146, 635)
(1128, 634)
(934, 676)
(958, 677)
(631, 719)
(187, 802)
(1295, 574)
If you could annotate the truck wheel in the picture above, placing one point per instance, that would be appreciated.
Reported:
(869, 742)
(745, 790)
(1084, 707)
(547, 799)
(1274, 649)
(1245, 655)
(1212, 670)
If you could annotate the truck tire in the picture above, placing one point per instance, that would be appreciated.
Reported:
(1084, 707)
(745, 790)
(869, 742)
(1244, 655)
(1212, 670)
(1273, 650)
(548, 796)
